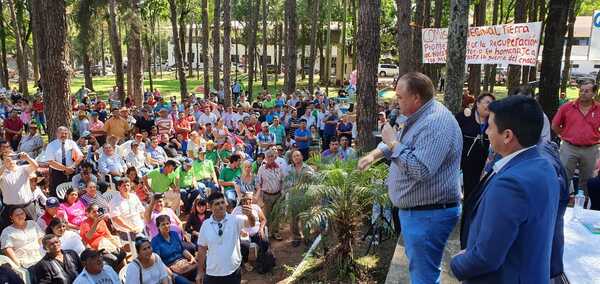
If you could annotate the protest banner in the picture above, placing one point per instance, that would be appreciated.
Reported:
(501, 44)
(594, 51)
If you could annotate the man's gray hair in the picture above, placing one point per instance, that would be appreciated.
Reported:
(270, 152)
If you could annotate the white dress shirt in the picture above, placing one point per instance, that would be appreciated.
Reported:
(54, 152)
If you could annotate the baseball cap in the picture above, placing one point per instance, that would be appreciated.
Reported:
(187, 162)
(90, 253)
(52, 202)
(86, 134)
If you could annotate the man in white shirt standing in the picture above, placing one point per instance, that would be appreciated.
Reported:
(219, 255)
(14, 183)
(63, 157)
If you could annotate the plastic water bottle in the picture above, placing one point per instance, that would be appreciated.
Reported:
(578, 206)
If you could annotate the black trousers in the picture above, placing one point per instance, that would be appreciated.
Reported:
(56, 178)
(263, 245)
(233, 278)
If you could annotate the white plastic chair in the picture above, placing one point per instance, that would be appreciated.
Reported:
(254, 246)
(61, 189)
(22, 272)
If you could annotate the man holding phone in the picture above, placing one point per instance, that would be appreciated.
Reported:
(14, 183)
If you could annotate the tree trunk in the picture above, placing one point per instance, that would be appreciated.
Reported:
(252, 45)
(490, 69)
(50, 29)
(342, 56)
(205, 28)
(227, 53)
(21, 64)
(514, 71)
(525, 69)
(102, 50)
(437, 23)
(566, 72)
(4, 71)
(475, 69)
(149, 58)
(276, 52)
(328, 45)
(457, 47)
(198, 52)
(190, 53)
(115, 44)
(291, 57)
(19, 5)
(404, 37)
(554, 37)
(281, 46)
(416, 31)
(177, 49)
(265, 61)
(534, 17)
(216, 44)
(368, 61)
(182, 30)
(87, 71)
(314, 25)
(354, 32)
(134, 56)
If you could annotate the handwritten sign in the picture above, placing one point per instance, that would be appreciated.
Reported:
(594, 52)
(501, 44)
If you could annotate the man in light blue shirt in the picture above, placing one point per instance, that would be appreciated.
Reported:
(423, 175)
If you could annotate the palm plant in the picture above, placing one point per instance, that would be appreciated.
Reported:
(340, 196)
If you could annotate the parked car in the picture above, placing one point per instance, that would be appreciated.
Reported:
(388, 70)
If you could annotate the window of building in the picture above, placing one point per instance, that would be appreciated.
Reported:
(596, 66)
(575, 66)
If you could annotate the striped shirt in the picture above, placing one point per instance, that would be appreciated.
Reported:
(425, 164)
(270, 180)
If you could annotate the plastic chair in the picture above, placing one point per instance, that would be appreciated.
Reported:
(255, 245)
(61, 189)
(22, 272)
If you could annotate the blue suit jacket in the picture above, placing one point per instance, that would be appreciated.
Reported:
(511, 232)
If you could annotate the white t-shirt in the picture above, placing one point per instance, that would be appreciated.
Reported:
(15, 185)
(25, 243)
(106, 276)
(151, 275)
(71, 240)
(128, 210)
(223, 256)
(255, 211)
(54, 152)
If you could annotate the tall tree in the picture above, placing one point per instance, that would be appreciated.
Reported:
(554, 38)
(490, 69)
(417, 46)
(3, 61)
(83, 16)
(368, 61)
(134, 54)
(205, 28)
(566, 72)
(514, 71)
(314, 28)
(251, 48)
(216, 43)
(50, 29)
(342, 68)
(21, 63)
(227, 53)
(291, 57)
(404, 37)
(475, 69)
(457, 48)
(115, 45)
(265, 54)
(190, 52)
(177, 49)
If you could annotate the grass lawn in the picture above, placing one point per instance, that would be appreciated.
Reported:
(169, 86)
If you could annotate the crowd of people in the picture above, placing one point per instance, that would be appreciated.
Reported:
(167, 191)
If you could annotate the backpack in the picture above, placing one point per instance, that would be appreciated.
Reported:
(265, 262)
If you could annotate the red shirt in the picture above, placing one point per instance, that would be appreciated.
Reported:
(578, 129)
(14, 125)
(184, 123)
(101, 232)
(38, 106)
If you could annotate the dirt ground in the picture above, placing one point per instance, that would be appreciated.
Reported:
(285, 255)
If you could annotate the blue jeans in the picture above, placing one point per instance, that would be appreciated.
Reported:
(425, 233)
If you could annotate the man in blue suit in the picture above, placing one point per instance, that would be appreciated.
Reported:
(512, 225)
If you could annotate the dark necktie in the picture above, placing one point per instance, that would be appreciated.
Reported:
(64, 153)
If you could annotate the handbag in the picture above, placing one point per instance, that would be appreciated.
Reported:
(182, 266)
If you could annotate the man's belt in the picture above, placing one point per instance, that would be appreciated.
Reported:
(581, 146)
(433, 206)
(269, 193)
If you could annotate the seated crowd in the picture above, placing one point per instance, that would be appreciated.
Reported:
(163, 192)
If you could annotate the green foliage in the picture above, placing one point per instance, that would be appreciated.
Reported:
(340, 196)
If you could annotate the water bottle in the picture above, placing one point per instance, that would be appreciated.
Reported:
(578, 206)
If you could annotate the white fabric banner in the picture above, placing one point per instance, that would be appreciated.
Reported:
(594, 53)
(501, 44)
